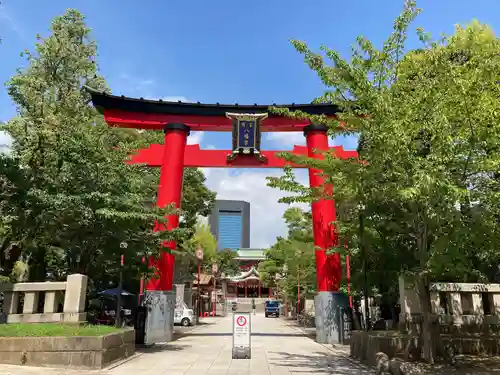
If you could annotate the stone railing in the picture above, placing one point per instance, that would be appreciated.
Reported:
(454, 303)
(71, 293)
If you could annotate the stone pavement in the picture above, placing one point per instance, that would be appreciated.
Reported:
(277, 349)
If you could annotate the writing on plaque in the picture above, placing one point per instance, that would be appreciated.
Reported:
(241, 335)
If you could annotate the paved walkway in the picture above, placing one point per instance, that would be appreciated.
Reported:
(277, 349)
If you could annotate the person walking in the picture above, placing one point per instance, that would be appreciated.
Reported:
(253, 305)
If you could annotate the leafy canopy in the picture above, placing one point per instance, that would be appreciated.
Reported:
(71, 204)
(428, 124)
(428, 120)
(290, 261)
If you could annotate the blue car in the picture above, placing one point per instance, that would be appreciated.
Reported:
(272, 308)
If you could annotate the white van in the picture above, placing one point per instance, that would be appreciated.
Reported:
(184, 316)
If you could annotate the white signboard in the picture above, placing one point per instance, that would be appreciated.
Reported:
(241, 335)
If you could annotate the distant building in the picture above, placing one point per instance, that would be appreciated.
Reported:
(247, 283)
(230, 224)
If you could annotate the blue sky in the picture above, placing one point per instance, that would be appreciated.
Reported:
(223, 51)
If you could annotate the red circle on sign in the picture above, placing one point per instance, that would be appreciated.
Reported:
(241, 321)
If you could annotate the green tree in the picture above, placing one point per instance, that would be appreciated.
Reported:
(72, 200)
(291, 260)
(197, 199)
(227, 263)
(204, 239)
(224, 259)
(187, 263)
(429, 179)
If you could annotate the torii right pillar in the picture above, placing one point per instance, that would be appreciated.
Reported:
(329, 300)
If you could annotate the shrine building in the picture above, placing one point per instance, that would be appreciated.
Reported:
(247, 283)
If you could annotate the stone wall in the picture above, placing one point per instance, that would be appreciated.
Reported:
(71, 293)
(309, 307)
(76, 352)
(454, 303)
(365, 345)
(468, 315)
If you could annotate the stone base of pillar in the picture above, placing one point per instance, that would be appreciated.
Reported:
(327, 316)
(160, 306)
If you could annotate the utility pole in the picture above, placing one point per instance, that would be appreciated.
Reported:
(118, 319)
(215, 268)
(298, 292)
(199, 256)
(363, 257)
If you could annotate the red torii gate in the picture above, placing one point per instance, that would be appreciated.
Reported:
(177, 119)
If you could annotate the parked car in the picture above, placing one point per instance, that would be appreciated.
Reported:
(272, 308)
(184, 316)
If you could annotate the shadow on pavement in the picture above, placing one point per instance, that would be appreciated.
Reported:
(205, 323)
(254, 334)
(161, 348)
(317, 362)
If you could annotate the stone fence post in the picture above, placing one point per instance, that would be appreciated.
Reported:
(74, 298)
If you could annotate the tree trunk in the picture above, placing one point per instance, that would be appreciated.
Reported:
(429, 339)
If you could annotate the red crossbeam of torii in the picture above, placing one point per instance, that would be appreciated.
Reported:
(195, 157)
(178, 119)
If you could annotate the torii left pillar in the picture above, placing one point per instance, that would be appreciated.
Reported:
(169, 193)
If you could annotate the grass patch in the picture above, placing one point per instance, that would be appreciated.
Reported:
(54, 329)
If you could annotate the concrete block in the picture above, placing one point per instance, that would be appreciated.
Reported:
(327, 316)
(11, 302)
(50, 302)
(76, 289)
(30, 305)
(93, 352)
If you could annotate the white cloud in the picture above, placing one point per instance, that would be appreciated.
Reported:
(176, 99)
(289, 139)
(195, 138)
(206, 171)
(147, 88)
(202, 220)
(350, 142)
(266, 222)
(266, 213)
(5, 141)
(9, 20)
(133, 86)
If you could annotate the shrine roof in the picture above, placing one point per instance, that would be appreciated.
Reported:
(103, 101)
(250, 254)
(251, 274)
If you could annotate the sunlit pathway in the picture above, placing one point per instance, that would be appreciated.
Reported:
(277, 349)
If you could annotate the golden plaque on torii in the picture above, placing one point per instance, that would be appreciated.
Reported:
(246, 134)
